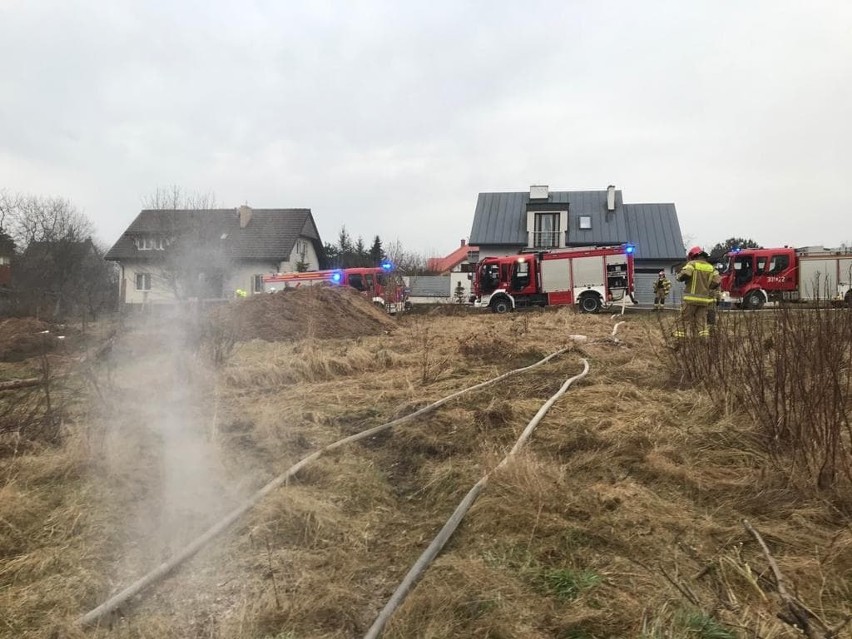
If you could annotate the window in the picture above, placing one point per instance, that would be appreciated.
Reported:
(356, 282)
(546, 233)
(504, 272)
(521, 276)
(778, 263)
(301, 249)
(143, 281)
(5, 261)
(761, 265)
(257, 283)
(743, 271)
(490, 277)
(585, 222)
(150, 243)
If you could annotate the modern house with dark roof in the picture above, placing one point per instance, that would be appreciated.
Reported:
(507, 223)
(172, 254)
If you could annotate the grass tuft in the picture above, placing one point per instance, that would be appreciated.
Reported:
(568, 584)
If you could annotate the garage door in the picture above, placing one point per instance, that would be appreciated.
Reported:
(644, 289)
(430, 286)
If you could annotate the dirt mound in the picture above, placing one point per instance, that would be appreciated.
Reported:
(321, 312)
(23, 337)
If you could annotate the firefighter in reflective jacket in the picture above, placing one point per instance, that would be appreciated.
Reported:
(661, 291)
(702, 281)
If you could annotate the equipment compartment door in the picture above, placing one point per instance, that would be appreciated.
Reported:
(588, 272)
(555, 276)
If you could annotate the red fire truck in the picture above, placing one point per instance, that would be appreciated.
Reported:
(592, 277)
(379, 284)
(752, 277)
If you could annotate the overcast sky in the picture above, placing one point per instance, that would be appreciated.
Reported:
(390, 116)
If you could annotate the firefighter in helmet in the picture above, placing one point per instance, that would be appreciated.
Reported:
(702, 281)
(662, 286)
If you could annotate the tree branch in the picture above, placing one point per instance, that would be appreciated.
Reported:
(795, 613)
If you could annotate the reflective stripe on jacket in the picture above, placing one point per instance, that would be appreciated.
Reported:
(701, 281)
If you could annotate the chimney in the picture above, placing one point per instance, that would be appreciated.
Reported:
(539, 192)
(463, 242)
(610, 198)
(245, 215)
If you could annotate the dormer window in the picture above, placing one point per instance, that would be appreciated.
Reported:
(546, 230)
(150, 243)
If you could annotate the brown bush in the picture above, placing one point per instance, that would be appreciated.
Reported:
(21, 338)
(790, 370)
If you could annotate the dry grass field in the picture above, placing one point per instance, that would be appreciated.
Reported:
(622, 518)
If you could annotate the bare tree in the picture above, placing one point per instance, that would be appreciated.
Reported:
(57, 260)
(99, 280)
(175, 198)
(406, 262)
(9, 203)
(35, 218)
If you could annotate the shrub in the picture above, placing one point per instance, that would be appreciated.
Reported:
(790, 370)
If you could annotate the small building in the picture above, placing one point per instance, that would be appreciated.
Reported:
(541, 219)
(166, 255)
(452, 270)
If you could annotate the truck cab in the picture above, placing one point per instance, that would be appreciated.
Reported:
(752, 277)
(509, 280)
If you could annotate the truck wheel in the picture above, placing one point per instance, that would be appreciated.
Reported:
(590, 303)
(501, 306)
(754, 300)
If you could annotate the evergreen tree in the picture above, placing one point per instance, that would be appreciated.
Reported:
(718, 251)
(377, 253)
(345, 249)
(330, 257)
(344, 241)
(360, 255)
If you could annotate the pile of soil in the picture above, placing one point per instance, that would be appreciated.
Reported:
(23, 337)
(320, 312)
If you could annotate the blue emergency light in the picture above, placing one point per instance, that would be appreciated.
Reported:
(336, 277)
(387, 266)
(629, 249)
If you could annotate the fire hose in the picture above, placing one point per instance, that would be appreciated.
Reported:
(434, 548)
(188, 551)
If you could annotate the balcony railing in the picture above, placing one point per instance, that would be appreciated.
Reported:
(546, 239)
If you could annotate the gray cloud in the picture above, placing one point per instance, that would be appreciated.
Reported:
(391, 117)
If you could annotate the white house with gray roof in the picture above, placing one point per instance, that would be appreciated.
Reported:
(210, 254)
(506, 223)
